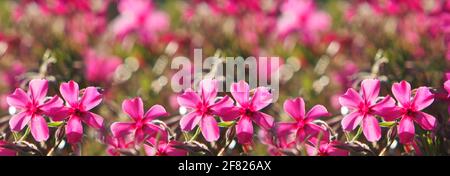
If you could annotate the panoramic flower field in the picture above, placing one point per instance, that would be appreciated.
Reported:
(224, 77)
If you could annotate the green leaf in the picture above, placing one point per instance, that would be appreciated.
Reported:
(387, 124)
(226, 123)
(55, 124)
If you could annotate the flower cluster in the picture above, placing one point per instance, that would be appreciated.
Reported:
(343, 70)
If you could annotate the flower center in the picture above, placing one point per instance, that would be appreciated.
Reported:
(365, 109)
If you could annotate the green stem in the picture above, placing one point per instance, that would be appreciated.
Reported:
(27, 132)
(357, 134)
(195, 135)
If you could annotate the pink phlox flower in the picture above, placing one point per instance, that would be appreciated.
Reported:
(304, 126)
(142, 126)
(77, 110)
(409, 110)
(363, 108)
(248, 110)
(203, 106)
(32, 107)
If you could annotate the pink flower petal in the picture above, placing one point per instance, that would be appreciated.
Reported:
(189, 99)
(426, 121)
(261, 98)
(316, 112)
(224, 102)
(422, 99)
(370, 88)
(54, 104)
(295, 108)
(119, 129)
(371, 128)
(406, 130)
(18, 99)
(58, 114)
(447, 86)
(240, 92)
(74, 130)
(351, 121)
(38, 89)
(69, 91)
(134, 108)
(5, 151)
(316, 132)
(153, 130)
(90, 99)
(386, 108)
(263, 120)
(244, 130)
(39, 128)
(402, 92)
(154, 112)
(172, 151)
(350, 99)
(208, 90)
(190, 120)
(210, 129)
(19, 121)
(92, 119)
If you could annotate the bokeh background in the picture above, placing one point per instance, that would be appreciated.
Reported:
(125, 47)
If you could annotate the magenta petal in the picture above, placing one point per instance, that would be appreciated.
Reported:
(228, 113)
(139, 136)
(92, 119)
(350, 99)
(447, 86)
(210, 129)
(172, 151)
(38, 89)
(154, 112)
(74, 130)
(402, 92)
(69, 91)
(90, 99)
(240, 92)
(371, 128)
(406, 130)
(5, 151)
(119, 129)
(387, 109)
(189, 99)
(351, 121)
(422, 99)
(153, 130)
(261, 98)
(18, 99)
(134, 108)
(224, 102)
(190, 120)
(263, 120)
(295, 108)
(208, 90)
(58, 114)
(316, 112)
(316, 131)
(19, 121)
(54, 104)
(370, 88)
(39, 128)
(244, 130)
(426, 121)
